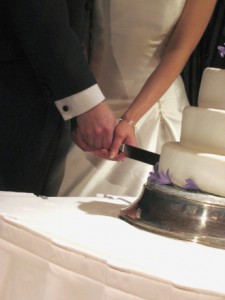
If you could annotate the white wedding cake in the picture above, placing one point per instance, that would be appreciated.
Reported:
(198, 160)
(184, 196)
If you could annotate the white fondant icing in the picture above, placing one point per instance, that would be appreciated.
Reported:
(200, 155)
(203, 130)
(212, 89)
(206, 170)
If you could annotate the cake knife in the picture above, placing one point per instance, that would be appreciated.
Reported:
(139, 154)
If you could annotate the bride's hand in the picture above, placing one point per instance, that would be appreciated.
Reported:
(124, 134)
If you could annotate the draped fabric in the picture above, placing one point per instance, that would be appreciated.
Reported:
(206, 54)
(126, 45)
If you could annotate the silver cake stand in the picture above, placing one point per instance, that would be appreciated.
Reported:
(180, 214)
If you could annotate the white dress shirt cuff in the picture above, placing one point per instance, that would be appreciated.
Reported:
(79, 103)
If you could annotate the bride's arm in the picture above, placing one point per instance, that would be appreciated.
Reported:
(189, 29)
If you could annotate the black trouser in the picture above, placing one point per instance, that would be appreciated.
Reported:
(29, 129)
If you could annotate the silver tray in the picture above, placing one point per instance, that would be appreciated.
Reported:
(176, 213)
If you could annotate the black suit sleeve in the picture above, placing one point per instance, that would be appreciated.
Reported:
(53, 48)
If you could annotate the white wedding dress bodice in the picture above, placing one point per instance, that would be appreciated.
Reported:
(128, 40)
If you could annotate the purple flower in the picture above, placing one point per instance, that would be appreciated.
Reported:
(160, 178)
(190, 185)
(221, 50)
(165, 178)
(154, 176)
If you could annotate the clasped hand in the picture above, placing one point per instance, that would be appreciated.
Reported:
(98, 132)
(123, 134)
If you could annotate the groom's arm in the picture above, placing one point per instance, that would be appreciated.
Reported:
(54, 50)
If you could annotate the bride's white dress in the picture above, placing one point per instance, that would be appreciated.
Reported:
(128, 39)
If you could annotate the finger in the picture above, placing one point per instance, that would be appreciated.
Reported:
(90, 143)
(102, 141)
(114, 150)
(120, 157)
(98, 143)
(107, 141)
(77, 139)
(103, 153)
(95, 142)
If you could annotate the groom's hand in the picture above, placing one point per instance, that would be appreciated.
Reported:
(94, 128)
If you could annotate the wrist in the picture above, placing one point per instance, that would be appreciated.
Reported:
(124, 118)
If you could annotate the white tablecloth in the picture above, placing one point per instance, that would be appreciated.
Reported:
(77, 248)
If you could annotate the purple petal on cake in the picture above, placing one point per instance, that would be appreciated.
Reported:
(165, 178)
(190, 185)
(221, 50)
(160, 178)
(154, 176)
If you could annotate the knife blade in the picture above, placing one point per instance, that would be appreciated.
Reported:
(139, 154)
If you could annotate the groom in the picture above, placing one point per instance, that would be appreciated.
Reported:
(45, 81)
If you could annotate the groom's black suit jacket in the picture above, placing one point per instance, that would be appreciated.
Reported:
(48, 34)
(41, 60)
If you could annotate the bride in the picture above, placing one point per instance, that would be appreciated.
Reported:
(138, 49)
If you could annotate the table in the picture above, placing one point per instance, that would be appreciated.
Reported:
(78, 248)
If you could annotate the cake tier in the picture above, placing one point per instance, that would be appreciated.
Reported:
(205, 169)
(211, 93)
(203, 130)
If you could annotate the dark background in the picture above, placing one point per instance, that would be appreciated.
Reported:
(206, 54)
